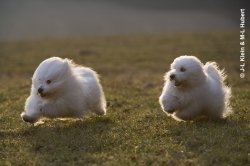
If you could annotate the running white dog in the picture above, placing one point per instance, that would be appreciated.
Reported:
(62, 89)
(193, 89)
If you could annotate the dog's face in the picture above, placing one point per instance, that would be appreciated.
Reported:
(50, 76)
(186, 71)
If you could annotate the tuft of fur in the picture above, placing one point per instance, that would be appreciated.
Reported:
(192, 90)
(66, 90)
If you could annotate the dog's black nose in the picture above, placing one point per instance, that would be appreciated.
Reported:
(40, 90)
(172, 76)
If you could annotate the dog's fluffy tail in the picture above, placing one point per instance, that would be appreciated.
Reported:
(212, 69)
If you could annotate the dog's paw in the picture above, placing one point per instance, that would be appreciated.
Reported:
(169, 107)
(27, 118)
(170, 103)
(100, 111)
(169, 111)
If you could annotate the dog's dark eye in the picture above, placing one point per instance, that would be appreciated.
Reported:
(182, 69)
(48, 81)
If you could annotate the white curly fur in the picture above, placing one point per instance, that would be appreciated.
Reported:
(69, 90)
(193, 89)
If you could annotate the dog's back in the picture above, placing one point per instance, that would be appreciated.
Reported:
(92, 89)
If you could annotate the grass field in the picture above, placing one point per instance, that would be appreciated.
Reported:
(135, 131)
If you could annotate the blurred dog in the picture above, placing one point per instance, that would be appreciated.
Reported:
(193, 89)
(62, 89)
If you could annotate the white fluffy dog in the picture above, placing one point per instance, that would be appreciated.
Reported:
(62, 89)
(193, 89)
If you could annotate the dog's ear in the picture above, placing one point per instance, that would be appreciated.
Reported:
(67, 65)
(67, 62)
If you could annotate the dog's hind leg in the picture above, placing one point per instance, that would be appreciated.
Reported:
(99, 107)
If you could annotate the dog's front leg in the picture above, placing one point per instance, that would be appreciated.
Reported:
(32, 109)
(169, 102)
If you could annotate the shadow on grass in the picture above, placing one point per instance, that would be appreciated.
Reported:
(57, 140)
(92, 140)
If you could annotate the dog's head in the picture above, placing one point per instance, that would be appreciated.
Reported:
(50, 76)
(186, 71)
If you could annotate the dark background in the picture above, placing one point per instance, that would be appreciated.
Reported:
(27, 19)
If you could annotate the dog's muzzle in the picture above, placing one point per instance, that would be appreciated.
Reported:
(176, 83)
(41, 91)
(173, 78)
